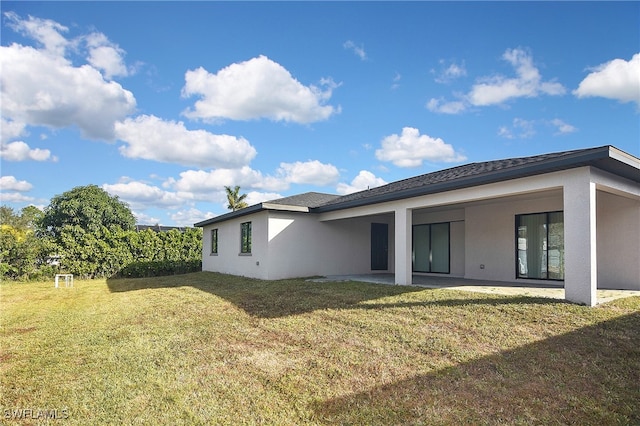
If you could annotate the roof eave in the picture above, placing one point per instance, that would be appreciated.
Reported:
(576, 160)
(285, 207)
(231, 215)
(608, 158)
(252, 209)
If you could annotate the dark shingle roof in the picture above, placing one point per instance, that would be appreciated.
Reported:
(308, 199)
(304, 201)
(448, 176)
(607, 158)
(476, 174)
(160, 228)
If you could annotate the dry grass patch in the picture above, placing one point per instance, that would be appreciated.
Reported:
(214, 349)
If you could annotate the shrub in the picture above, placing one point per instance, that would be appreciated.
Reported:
(159, 268)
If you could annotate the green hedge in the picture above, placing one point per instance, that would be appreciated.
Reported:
(103, 253)
(159, 268)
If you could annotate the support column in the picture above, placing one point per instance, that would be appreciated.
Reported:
(403, 264)
(580, 261)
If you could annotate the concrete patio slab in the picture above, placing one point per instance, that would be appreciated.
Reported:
(491, 287)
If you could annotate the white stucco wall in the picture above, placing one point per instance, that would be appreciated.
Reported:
(618, 234)
(290, 244)
(490, 235)
(483, 223)
(229, 260)
(301, 246)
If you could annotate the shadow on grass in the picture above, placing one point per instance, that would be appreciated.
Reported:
(272, 299)
(589, 376)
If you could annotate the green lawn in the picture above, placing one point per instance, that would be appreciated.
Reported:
(208, 349)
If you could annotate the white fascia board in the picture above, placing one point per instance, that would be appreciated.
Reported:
(284, 207)
(531, 184)
(623, 157)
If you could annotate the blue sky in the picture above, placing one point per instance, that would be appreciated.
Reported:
(165, 103)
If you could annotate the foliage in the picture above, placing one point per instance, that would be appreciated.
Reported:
(108, 252)
(159, 268)
(28, 219)
(96, 243)
(88, 207)
(22, 253)
(234, 199)
(213, 349)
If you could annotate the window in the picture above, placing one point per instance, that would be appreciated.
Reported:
(245, 237)
(431, 248)
(214, 241)
(540, 246)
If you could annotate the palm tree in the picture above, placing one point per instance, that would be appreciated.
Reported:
(236, 201)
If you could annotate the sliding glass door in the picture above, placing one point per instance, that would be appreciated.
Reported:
(431, 248)
(540, 246)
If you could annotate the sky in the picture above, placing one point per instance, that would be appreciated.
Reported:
(163, 104)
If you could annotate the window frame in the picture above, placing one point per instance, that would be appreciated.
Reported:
(245, 238)
(214, 241)
(546, 251)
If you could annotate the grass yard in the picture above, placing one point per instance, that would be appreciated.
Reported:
(206, 348)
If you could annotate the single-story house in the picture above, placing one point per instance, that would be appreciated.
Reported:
(568, 218)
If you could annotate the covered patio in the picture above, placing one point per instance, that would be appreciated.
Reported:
(480, 286)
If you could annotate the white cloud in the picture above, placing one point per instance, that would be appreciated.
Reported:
(20, 151)
(309, 172)
(254, 197)
(140, 195)
(396, 81)
(524, 129)
(520, 129)
(10, 130)
(444, 107)
(145, 219)
(203, 183)
(190, 216)
(527, 83)
(562, 128)
(106, 56)
(10, 183)
(257, 88)
(505, 132)
(446, 74)
(44, 31)
(411, 148)
(617, 79)
(40, 89)
(14, 197)
(357, 50)
(101, 52)
(152, 138)
(498, 89)
(40, 86)
(364, 180)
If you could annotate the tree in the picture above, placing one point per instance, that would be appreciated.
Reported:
(236, 201)
(93, 235)
(22, 253)
(8, 216)
(28, 219)
(88, 207)
(31, 218)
